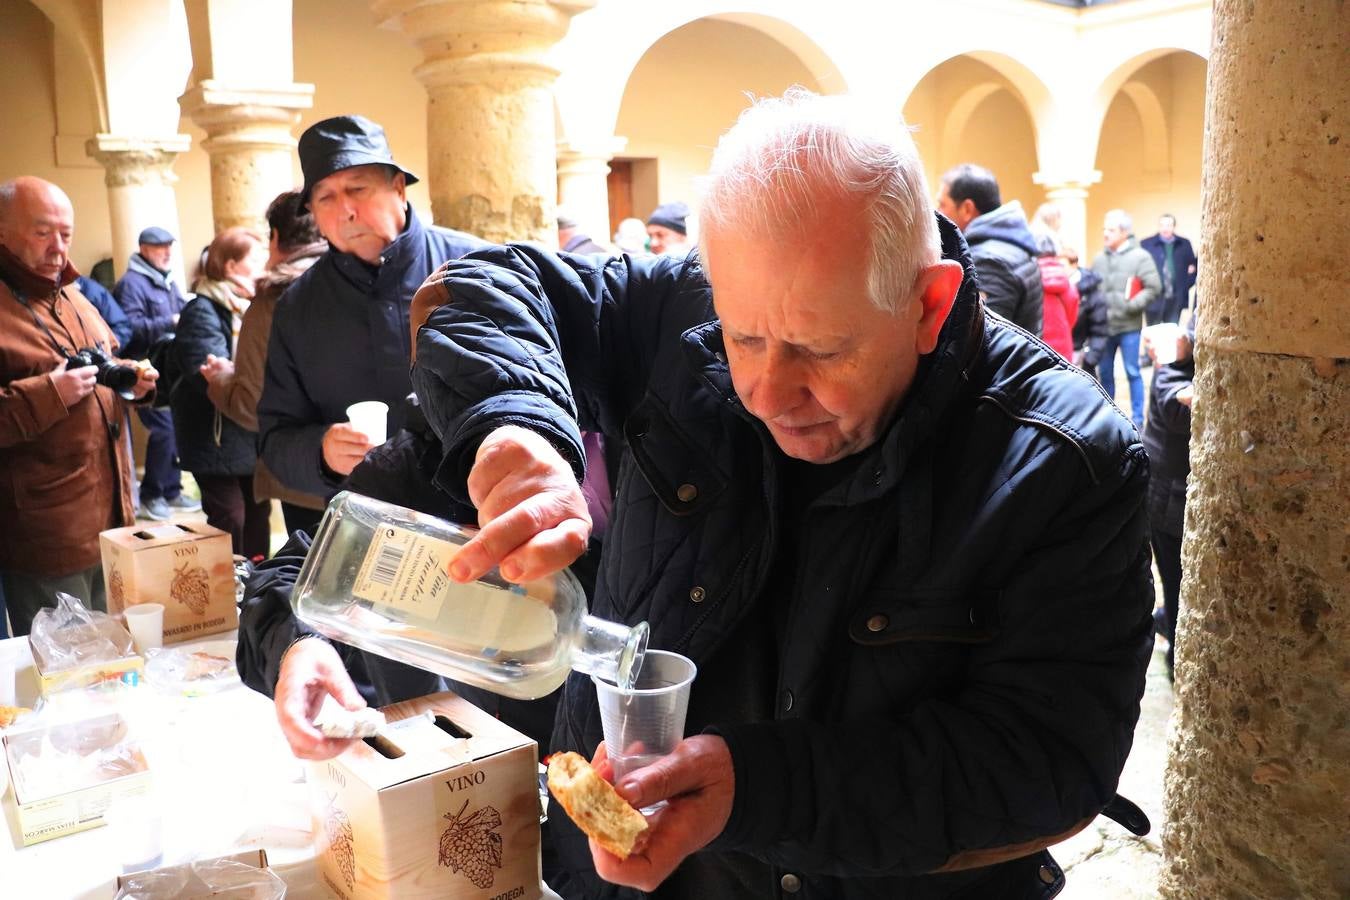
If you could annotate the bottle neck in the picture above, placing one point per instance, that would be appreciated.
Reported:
(610, 650)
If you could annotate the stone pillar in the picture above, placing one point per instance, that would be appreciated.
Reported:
(1258, 785)
(248, 137)
(583, 189)
(491, 141)
(1070, 195)
(140, 179)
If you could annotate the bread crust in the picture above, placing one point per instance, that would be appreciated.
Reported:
(593, 804)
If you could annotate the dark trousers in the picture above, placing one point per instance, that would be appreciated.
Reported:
(1167, 555)
(163, 478)
(299, 518)
(26, 594)
(229, 505)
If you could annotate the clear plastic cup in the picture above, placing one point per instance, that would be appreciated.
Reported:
(1163, 339)
(137, 827)
(644, 724)
(145, 621)
(9, 654)
(371, 417)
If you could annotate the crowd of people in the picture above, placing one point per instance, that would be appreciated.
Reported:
(838, 447)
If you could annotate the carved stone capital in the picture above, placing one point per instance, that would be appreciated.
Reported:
(133, 161)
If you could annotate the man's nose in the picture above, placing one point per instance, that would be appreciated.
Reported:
(779, 388)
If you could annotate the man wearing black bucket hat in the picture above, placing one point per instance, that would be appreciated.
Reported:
(341, 334)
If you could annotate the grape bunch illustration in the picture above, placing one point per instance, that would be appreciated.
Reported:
(116, 588)
(472, 845)
(191, 587)
(338, 828)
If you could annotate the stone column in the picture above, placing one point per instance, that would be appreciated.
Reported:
(1258, 784)
(248, 137)
(140, 179)
(583, 189)
(491, 140)
(1070, 195)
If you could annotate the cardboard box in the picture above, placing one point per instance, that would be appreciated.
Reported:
(65, 800)
(193, 887)
(443, 803)
(128, 669)
(187, 566)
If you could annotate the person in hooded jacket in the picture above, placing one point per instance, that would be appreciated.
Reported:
(1061, 303)
(904, 543)
(1001, 243)
(219, 451)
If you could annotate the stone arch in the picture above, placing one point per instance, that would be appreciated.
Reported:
(1153, 121)
(716, 59)
(82, 32)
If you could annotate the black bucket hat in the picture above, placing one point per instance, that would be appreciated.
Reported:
(341, 143)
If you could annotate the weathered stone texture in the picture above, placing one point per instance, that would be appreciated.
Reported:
(1258, 790)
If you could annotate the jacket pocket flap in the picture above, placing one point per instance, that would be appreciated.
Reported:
(679, 473)
(890, 617)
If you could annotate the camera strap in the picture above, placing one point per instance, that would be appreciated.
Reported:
(112, 423)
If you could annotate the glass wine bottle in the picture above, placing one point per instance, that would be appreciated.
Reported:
(376, 578)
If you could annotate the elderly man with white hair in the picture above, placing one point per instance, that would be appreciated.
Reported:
(903, 542)
(1130, 283)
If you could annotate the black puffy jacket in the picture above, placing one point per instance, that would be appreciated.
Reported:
(964, 651)
(209, 442)
(1004, 252)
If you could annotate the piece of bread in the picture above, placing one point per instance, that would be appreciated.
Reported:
(204, 665)
(593, 804)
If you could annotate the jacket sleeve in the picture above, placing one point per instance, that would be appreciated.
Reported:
(110, 310)
(290, 425)
(999, 286)
(198, 335)
(1168, 381)
(267, 625)
(28, 407)
(237, 396)
(518, 335)
(1027, 749)
(146, 322)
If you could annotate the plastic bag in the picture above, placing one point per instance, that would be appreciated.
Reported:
(80, 739)
(208, 877)
(72, 635)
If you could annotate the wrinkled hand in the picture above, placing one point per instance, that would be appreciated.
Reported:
(531, 510)
(310, 671)
(698, 783)
(215, 368)
(146, 378)
(344, 447)
(73, 385)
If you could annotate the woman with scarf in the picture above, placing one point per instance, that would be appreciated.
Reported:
(218, 451)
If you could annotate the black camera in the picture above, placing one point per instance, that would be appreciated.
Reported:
(115, 375)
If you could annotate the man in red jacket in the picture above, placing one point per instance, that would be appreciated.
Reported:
(64, 470)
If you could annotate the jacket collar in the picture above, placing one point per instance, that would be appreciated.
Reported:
(394, 258)
(138, 263)
(940, 378)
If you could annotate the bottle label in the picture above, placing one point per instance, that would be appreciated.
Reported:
(406, 571)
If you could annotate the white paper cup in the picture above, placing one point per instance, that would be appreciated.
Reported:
(645, 724)
(1163, 339)
(137, 827)
(145, 621)
(9, 653)
(370, 417)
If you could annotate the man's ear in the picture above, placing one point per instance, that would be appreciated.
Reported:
(937, 286)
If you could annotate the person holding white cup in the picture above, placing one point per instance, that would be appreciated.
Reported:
(370, 418)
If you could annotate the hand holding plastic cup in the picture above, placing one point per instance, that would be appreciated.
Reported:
(1161, 341)
(145, 621)
(370, 417)
(645, 724)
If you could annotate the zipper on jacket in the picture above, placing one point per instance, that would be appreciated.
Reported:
(1092, 472)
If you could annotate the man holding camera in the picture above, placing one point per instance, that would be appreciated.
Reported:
(64, 469)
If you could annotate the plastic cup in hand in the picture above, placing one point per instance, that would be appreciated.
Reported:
(371, 418)
(1163, 339)
(137, 830)
(145, 621)
(645, 724)
(9, 652)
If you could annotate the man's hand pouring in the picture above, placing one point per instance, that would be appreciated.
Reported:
(531, 511)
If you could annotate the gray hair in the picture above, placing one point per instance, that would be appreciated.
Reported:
(8, 191)
(784, 156)
(1119, 218)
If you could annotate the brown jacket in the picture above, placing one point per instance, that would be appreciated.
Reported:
(65, 474)
(237, 396)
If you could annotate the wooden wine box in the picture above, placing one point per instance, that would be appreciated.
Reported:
(443, 803)
(187, 566)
